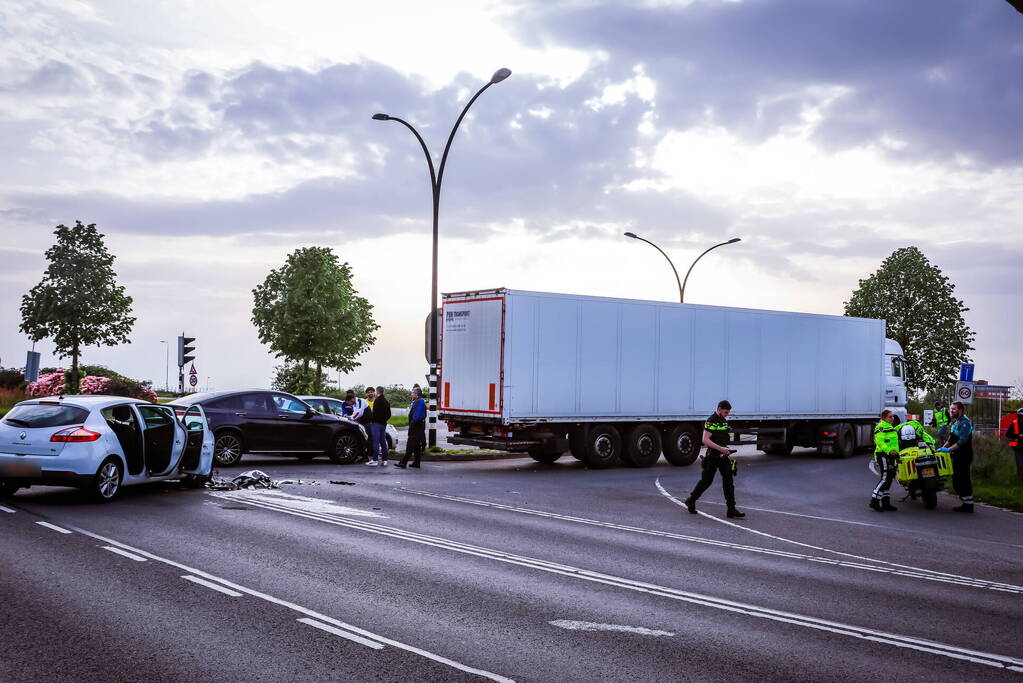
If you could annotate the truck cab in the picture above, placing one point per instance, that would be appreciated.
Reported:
(897, 369)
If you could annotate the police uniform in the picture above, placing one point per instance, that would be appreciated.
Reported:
(941, 420)
(715, 461)
(886, 440)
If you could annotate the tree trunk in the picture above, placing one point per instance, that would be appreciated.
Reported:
(317, 389)
(74, 369)
(306, 384)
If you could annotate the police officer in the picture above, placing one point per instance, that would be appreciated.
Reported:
(960, 445)
(715, 438)
(941, 420)
(886, 455)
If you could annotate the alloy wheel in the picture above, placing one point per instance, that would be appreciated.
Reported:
(227, 450)
(109, 480)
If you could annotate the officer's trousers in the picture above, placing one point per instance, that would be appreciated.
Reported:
(962, 482)
(716, 462)
(888, 466)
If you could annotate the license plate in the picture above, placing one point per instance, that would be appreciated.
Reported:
(16, 469)
(927, 472)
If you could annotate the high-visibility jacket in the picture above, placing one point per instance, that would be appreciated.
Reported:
(1012, 432)
(886, 438)
(941, 417)
(921, 433)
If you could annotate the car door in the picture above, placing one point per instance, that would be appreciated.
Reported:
(197, 455)
(162, 443)
(257, 420)
(299, 430)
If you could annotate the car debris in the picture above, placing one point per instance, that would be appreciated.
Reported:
(254, 479)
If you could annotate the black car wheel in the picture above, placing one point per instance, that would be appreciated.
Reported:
(227, 449)
(346, 449)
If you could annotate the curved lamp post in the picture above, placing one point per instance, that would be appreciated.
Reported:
(436, 178)
(682, 284)
(731, 241)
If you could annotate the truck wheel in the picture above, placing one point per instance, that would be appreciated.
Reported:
(577, 443)
(681, 445)
(845, 443)
(642, 446)
(930, 498)
(542, 456)
(603, 446)
(778, 449)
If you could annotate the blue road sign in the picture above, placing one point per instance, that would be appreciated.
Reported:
(966, 372)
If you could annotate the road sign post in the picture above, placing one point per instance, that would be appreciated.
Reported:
(964, 392)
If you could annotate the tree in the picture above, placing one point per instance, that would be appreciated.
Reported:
(921, 312)
(78, 302)
(308, 311)
(294, 378)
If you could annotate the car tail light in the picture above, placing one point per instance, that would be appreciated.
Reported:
(74, 435)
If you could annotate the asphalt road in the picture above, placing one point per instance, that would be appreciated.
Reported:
(509, 570)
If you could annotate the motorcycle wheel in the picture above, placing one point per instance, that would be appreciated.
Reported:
(930, 498)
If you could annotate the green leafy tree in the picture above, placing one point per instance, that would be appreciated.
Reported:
(78, 302)
(921, 312)
(294, 378)
(309, 312)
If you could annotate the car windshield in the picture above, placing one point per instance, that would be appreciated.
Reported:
(38, 415)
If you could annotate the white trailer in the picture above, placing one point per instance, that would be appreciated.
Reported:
(619, 379)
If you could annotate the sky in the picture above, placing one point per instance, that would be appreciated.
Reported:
(207, 140)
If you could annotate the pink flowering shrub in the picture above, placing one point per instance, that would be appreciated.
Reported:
(92, 384)
(146, 395)
(50, 384)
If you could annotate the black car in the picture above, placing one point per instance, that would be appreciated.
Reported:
(273, 422)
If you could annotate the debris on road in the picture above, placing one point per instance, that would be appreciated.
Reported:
(343, 483)
(254, 479)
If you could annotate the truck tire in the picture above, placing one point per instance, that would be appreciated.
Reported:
(642, 446)
(778, 449)
(543, 456)
(603, 446)
(577, 443)
(681, 446)
(845, 442)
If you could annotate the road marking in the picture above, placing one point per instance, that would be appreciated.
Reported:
(214, 586)
(124, 553)
(918, 571)
(339, 632)
(926, 575)
(883, 637)
(303, 610)
(590, 626)
(306, 503)
(6, 509)
(54, 527)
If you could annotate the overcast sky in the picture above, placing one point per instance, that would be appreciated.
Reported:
(208, 139)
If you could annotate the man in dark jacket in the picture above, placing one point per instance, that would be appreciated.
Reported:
(1014, 433)
(716, 459)
(416, 440)
(378, 428)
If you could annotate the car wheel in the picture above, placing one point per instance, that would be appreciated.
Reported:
(642, 445)
(346, 449)
(681, 446)
(8, 489)
(107, 483)
(603, 446)
(227, 449)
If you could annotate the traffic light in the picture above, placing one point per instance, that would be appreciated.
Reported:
(184, 350)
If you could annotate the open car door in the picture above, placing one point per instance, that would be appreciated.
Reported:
(198, 455)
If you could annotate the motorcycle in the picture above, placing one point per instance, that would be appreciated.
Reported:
(923, 471)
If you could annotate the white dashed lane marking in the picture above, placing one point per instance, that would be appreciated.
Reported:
(6, 509)
(570, 625)
(342, 633)
(124, 553)
(54, 527)
(213, 586)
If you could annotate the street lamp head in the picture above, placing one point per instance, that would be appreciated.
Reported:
(632, 235)
(381, 117)
(500, 75)
(734, 240)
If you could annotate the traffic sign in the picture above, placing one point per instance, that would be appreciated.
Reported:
(193, 380)
(193, 370)
(966, 372)
(964, 392)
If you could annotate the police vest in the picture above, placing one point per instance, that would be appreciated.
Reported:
(886, 438)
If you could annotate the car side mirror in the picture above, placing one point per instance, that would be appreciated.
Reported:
(309, 412)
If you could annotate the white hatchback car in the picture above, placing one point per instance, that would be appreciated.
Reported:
(101, 443)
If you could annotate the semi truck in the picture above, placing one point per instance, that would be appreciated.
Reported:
(613, 381)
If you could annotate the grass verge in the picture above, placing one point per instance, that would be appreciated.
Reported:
(994, 473)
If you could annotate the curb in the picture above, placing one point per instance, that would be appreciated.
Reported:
(468, 457)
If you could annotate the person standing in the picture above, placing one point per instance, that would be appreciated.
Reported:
(367, 423)
(960, 445)
(1014, 433)
(716, 459)
(378, 427)
(416, 440)
(941, 420)
(886, 456)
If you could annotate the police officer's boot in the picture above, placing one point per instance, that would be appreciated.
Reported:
(690, 505)
(735, 514)
(886, 505)
(875, 504)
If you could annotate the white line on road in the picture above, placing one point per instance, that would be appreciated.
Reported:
(919, 571)
(124, 553)
(54, 527)
(591, 626)
(214, 586)
(883, 637)
(926, 575)
(303, 610)
(6, 509)
(339, 632)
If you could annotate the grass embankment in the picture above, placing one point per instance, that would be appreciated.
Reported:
(9, 397)
(398, 420)
(994, 473)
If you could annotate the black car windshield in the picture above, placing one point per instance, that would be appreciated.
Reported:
(36, 415)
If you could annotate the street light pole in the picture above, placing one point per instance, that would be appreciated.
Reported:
(166, 372)
(436, 178)
(731, 241)
(637, 237)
